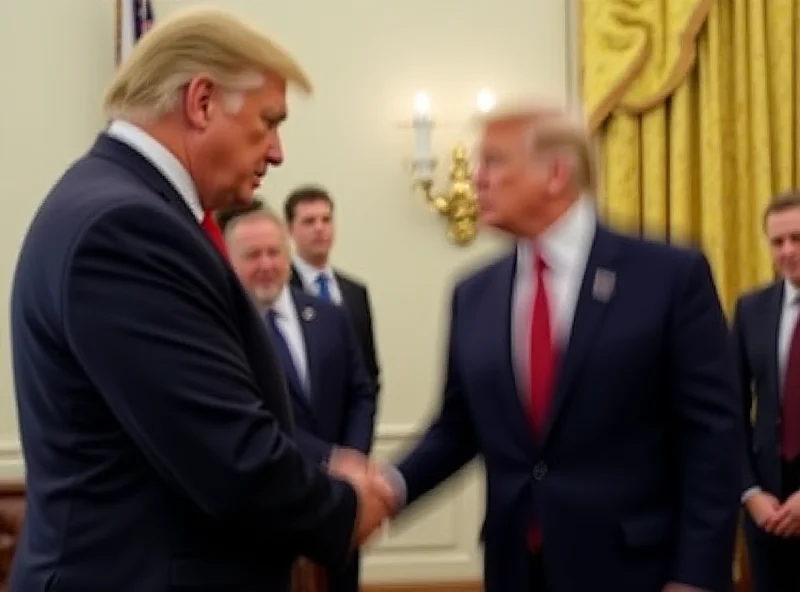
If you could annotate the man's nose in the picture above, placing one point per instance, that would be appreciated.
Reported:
(274, 154)
(479, 178)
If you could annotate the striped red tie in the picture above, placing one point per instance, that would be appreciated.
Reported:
(214, 233)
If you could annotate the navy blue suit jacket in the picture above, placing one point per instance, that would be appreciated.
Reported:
(341, 407)
(155, 424)
(636, 481)
(756, 322)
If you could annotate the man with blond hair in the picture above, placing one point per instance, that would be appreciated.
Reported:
(592, 374)
(153, 411)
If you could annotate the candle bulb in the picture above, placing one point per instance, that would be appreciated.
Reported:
(485, 101)
(423, 126)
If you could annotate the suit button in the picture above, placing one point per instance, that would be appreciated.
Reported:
(539, 470)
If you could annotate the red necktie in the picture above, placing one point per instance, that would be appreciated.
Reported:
(542, 365)
(790, 400)
(542, 368)
(214, 233)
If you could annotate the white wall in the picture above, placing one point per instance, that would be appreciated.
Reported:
(367, 58)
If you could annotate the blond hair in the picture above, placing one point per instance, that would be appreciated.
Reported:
(554, 133)
(190, 42)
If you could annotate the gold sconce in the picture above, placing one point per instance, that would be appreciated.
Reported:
(457, 202)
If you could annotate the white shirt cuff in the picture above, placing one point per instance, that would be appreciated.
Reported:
(750, 492)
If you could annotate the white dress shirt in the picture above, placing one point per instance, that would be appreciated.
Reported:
(161, 158)
(789, 313)
(309, 274)
(289, 325)
(565, 248)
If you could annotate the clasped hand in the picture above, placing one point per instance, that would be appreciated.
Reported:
(377, 501)
(770, 515)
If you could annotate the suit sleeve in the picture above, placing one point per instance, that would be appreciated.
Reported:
(149, 319)
(371, 352)
(361, 395)
(312, 446)
(707, 407)
(450, 441)
(744, 376)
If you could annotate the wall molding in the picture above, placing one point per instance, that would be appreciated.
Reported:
(425, 587)
(12, 466)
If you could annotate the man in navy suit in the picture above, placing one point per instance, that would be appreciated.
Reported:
(593, 374)
(767, 339)
(309, 217)
(333, 397)
(156, 428)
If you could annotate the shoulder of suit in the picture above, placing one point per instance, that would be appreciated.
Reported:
(657, 248)
(487, 272)
(346, 278)
(758, 294)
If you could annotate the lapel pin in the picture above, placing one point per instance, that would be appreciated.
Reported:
(603, 286)
(308, 313)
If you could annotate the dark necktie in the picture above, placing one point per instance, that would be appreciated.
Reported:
(790, 401)
(323, 283)
(542, 368)
(285, 354)
(214, 233)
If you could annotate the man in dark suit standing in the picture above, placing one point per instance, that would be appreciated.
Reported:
(593, 374)
(309, 215)
(333, 398)
(767, 340)
(155, 424)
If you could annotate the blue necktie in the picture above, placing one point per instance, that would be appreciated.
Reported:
(283, 351)
(323, 282)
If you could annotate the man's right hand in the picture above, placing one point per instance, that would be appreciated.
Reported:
(376, 499)
(763, 509)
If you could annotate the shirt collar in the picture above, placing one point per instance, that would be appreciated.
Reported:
(790, 293)
(161, 158)
(283, 305)
(309, 273)
(567, 242)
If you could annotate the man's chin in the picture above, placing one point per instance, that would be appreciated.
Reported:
(265, 297)
(490, 221)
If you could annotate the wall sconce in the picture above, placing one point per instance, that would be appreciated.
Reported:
(457, 203)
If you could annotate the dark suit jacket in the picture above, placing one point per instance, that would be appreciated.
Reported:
(355, 298)
(341, 407)
(154, 421)
(756, 321)
(634, 483)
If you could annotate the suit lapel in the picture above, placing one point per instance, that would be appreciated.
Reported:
(499, 308)
(347, 292)
(306, 316)
(772, 327)
(295, 280)
(595, 292)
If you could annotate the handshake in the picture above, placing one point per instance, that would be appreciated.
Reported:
(377, 499)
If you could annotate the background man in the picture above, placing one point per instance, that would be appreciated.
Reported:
(767, 340)
(333, 398)
(153, 413)
(592, 372)
(309, 213)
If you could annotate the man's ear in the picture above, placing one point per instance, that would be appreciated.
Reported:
(561, 170)
(198, 101)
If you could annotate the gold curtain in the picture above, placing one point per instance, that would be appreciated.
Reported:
(696, 105)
